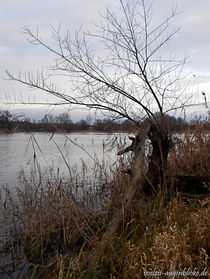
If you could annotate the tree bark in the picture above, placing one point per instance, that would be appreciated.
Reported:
(158, 160)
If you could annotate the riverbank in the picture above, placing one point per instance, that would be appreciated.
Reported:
(54, 226)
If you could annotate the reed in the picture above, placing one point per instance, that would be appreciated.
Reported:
(52, 224)
(190, 155)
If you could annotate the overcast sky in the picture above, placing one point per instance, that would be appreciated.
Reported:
(16, 53)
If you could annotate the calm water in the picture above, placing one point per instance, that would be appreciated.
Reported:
(17, 152)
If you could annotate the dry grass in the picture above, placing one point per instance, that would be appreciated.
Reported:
(52, 221)
(179, 242)
(191, 155)
(53, 224)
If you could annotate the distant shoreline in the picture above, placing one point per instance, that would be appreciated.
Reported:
(67, 132)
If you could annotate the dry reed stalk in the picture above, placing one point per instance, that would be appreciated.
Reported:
(191, 154)
(61, 221)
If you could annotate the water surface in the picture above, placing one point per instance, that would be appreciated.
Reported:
(19, 151)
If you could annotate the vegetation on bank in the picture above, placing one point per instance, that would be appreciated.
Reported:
(16, 123)
(52, 225)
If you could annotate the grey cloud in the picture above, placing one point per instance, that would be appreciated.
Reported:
(17, 54)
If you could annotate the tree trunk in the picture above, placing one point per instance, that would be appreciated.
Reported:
(158, 160)
(157, 165)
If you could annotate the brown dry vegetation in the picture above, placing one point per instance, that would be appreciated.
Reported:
(191, 155)
(51, 226)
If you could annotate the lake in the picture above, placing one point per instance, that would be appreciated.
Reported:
(18, 150)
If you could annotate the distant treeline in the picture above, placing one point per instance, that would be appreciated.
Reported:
(62, 123)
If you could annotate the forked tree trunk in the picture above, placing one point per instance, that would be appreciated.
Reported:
(156, 169)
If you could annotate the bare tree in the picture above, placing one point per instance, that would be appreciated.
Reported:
(123, 70)
(120, 71)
